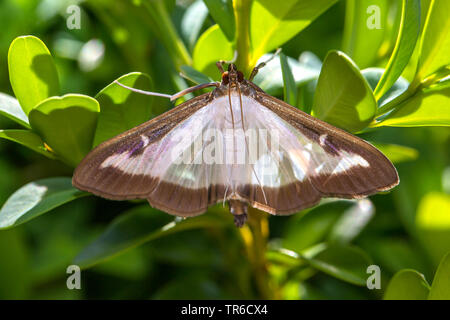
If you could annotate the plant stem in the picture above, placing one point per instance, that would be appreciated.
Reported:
(166, 32)
(242, 18)
(255, 236)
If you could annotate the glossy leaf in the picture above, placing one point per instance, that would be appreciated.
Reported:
(407, 285)
(36, 198)
(28, 139)
(192, 22)
(211, 47)
(273, 23)
(290, 88)
(10, 107)
(424, 108)
(67, 124)
(343, 97)
(435, 42)
(122, 109)
(397, 153)
(363, 37)
(404, 47)
(138, 226)
(347, 263)
(440, 289)
(194, 75)
(270, 78)
(373, 76)
(32, 72)
(222, 13)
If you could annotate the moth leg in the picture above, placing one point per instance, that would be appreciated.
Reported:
(262, 65)
(239, 211)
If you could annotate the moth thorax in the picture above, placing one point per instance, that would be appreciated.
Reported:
(239, 210)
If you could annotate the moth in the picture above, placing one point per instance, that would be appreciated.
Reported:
(171, 162)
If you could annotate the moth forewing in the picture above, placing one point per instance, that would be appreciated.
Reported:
(299, 159)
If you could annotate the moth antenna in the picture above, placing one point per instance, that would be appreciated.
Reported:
(263, 64)
(192, 89)
(149, 93)
(221, 63)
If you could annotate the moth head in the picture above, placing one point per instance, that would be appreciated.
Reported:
(233, 75)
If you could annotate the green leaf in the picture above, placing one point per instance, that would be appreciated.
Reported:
(424, 108)
(435, 42)
(343, 97)
(348, 263)
(36, 198)
(270, 78)
(67, 124)
(28, 139)
(440, 289)
(223, 14)
(361, 43)
(10, 107)
(397, 153)
(272, 23)
(211, 47)
(194, 75)
(290, 88)
(32, 72)
(433, 224)
(192, 22)
(122, 109)
(404, 47)
(407, 284)
(140, 225)
(373, 76)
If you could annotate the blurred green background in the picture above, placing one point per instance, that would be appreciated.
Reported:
(409, 228)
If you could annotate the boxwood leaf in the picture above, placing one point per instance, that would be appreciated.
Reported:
(290, 87)
(407, 284)
(192, 22)
(440, 289)
(397, 153)
(32, 72)
(348, 263)
(10, 107)
(425, 108)
(195, 75)
(404, 47)
(28, 139)
(273, 23)
(223, 14)
(435, 42)
(211, 47)
(343, 97)
(140, 225)
(122, 109)
(36, 198)
(67, 124)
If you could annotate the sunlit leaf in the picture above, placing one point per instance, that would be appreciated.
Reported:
(407, 285)
(222, 13)
(343, 97)
(424, 108)
(195, 75)
(28, 139)
(32, 72)
(272, 23)
(440, 289)
(122, 109)
(10, 107)
(404, 47)
(362, 34)
(211, 47)
(140, 225)
(435, 43)
(67, 124)
(36, 198)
